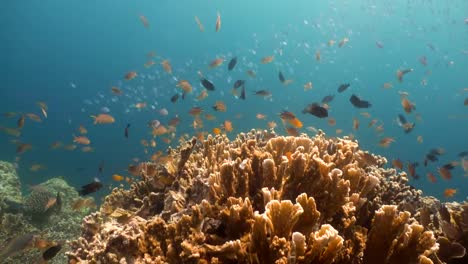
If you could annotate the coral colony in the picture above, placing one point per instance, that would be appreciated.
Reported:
(262, 198)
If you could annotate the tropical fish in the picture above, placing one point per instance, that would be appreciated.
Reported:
(81, 203)
(207, 84)
(281, 77)
(140, 105)
(316, 110)
(16, 245)
(200, 25)
(33, 117)
(130, 75)
(219, 106)
(81, 140)
(318, 55)
(268, 59)
(263, 93)
(11, 131)
(23, 147)
(385, 142)
(195, 111)
(407, 105)
(450, 192)
(144, 20)
(343, 87)
(175, 97)
(358, 102)
(238, 84)
(308, 86)
(242, 96)
(103, 119)
(232, 63)
(401, 73)
(227, 125)
(51, 252)
(92, 187)
(166, 66)
(185, 85)
(328, 98)
(218, 22)
(343, 42)
(43, 108)
(117, 177)
(127, 128)
(116, 90)
(216, 63)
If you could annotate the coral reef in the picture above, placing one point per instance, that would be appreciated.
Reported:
(262, 198)
(10, 185)
(62, 225)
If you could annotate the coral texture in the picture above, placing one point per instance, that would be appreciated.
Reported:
(262, 198)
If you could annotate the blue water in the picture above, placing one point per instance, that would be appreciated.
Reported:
(50, 46)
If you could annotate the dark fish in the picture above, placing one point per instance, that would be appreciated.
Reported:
(175, 97)
(449, 166)
(402, 119)
(90, 187)
(281, 77)
(232, 63)
(242, 96)
(432, 157)
(316, 110)
(126, 130)
(101, 168)
(16, 245)
(51, 252)
(328, 98)
(263, 93)
(463, 154)
(21, 122)
(207, 84)
(343, 87)
(466, 102)
(238, 83)
(358, 102)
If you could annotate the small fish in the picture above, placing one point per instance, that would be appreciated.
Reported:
(116, 90)
(268, 59)
(308, 86)
(216, 63)
(175, 97)
(144, 20)
(343, 42)
(328, 98)
(92, 187)
(227, 125)
(385, 142)
(167, 66)
(185, 85)
(82, 130)
(117, 177)
(242, 96)
(218, 22)
(23, 147)
(16, 245)
(463, 154)
(343, 87)
(200, 25)
(195, 111)
(130, 75)
(219, 106)
(103, 119)
(140, 105)
(292, 131)
(379, 44)
(263, 93)
(401, 73)
(318, 55)
(396, 163)
(33, 117)
(450, 192)
(316, 110)
(51, 252)
(163, 112)
(355, 123)
(431, 177)
(238, 84)
(207, 84)
(43, 108)
(358, 102)
(407, 105)
(423, 60)
(232, 63)
(281, 77)
(412, 169)
(465, 103)
(126, 130)
(20, 122)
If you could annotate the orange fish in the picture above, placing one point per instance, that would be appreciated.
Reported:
(331, 121)
(292, 131)
(295, 122)
(130, 75)
(82, 130)
(227, 126)
(21, 122)
(210, 117)
(372, 123)
(185, 86)
(355, 123)
(385, 142)
(431, 177)
(166, 66)
(70, 147)
(219, 106)
(51, 202)
(218, 22)
(149, 64)
(103, 119)
(144, 20)
(200, 25)
(81, 203)
(81, 140)
(396, 163)
(87, 149)
(140, 105)
(116, 90)
(449, 192)
(203, 94)
(216, 63)
(23, 147)
(34, 117)
(272, 124)
(117, 177)
(401, 73)
(308, 86)
(195, 111)
(339, 131)
(260, 116)
(216, 131)
(268, 59)
(407, 105)
(160, 130)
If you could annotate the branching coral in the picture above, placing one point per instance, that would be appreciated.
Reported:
(263, 198)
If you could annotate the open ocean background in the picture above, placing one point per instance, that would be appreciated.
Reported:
(70, 53)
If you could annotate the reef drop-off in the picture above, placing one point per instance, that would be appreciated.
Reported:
(263, 198)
